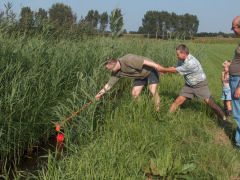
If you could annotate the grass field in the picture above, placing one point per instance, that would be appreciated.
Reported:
(115, 138)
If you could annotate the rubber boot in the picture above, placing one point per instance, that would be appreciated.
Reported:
(217, 110)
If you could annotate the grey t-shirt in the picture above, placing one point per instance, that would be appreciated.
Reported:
(192, 70)
(234, 68)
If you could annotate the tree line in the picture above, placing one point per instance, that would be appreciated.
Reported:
(59, 21)
(169, 24)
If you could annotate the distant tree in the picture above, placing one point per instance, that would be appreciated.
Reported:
(9, 14)
(155, 22)
(149, 25)
(173, 24)
(180, 25)
(1, 17)
(26, 19)
(192, 24)
(83, 27)
(124, 31)
(103, 21)
(116, 21)
(168, 24)
(133, 32)
(187, 25)
(140, 30)
(61, 15)
(8, 7)
(165, 22)
(92, 18)
(40, 17)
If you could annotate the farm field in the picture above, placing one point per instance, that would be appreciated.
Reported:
(116, 137)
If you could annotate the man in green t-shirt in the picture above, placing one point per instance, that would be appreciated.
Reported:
(139, 68)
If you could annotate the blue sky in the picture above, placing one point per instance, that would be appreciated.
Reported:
(214, 15)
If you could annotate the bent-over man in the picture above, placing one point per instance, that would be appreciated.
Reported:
(139, 68)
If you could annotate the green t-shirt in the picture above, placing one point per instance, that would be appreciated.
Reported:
(131, 67)
(234, 68)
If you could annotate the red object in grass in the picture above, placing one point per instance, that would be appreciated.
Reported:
(58, 127)
(60, 137)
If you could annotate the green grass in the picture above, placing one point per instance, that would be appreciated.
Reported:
(117, 137)
(134, 137)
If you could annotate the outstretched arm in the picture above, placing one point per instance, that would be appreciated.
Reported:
(102, 91)
(107, 87)
(169, 70)
(150, 64)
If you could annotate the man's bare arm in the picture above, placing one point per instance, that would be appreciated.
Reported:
(102, 91)
(169, 70)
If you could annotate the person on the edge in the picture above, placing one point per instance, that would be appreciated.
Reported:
(234, 71)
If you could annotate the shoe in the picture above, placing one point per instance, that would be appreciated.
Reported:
(237, 148)
(229, 113)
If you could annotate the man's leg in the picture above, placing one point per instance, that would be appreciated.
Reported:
(136, 90)
(234, 81)
(179, 101)
(229, 108)
(156, 98)
(210, 102)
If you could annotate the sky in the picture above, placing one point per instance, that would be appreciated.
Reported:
(213, 15)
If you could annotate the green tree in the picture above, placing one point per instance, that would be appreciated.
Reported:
(103, 21)
(92, 18)
(168, 24)
(173, 24)
(192, 24)
(148, 22)
(151, 23)
(116, 21)
(40, 17)
(26, 19)
(187, 25)
(8, 8)
(165, 22)
(61, 15)
(1, 17)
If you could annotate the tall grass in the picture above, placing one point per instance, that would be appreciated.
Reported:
(38, 80)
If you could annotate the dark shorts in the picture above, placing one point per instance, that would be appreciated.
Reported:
(201, 91)
(152, 78)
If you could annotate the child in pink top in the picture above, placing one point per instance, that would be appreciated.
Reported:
(226, 91)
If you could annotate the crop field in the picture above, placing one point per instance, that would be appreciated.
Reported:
(43, 81)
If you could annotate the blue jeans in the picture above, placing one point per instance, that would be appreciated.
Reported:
(234, 81)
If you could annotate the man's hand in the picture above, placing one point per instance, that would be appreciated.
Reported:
(237, 93)
(98, 96)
